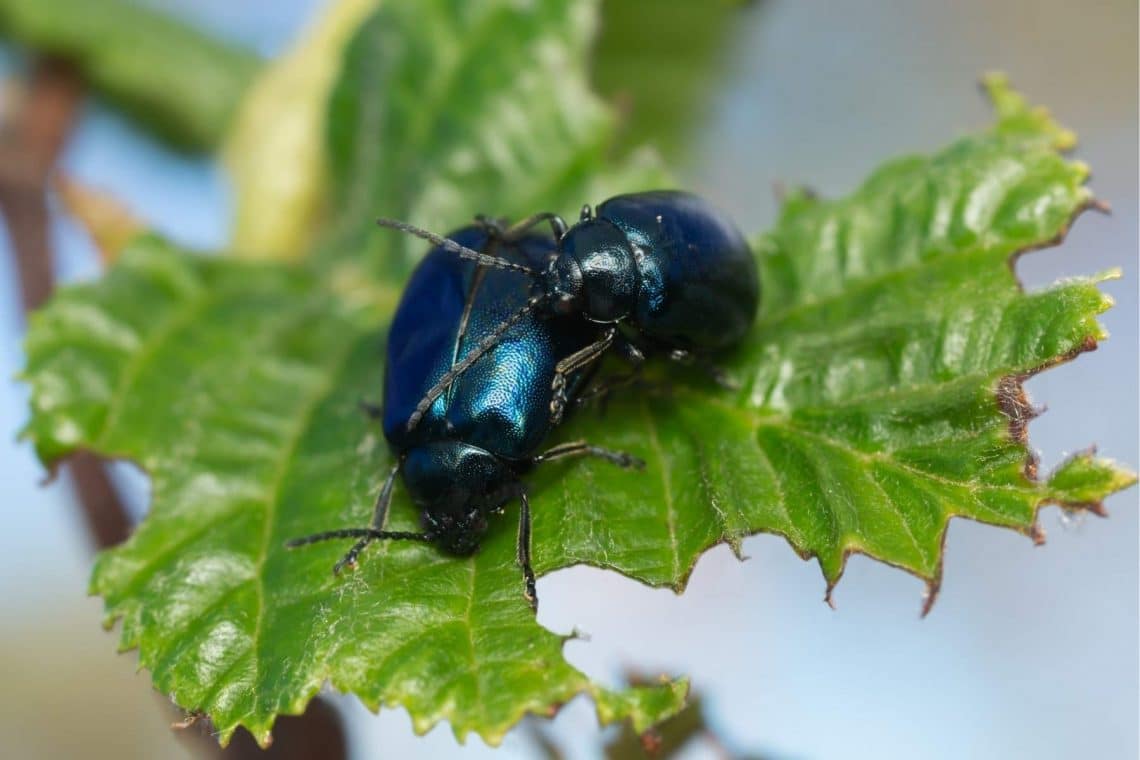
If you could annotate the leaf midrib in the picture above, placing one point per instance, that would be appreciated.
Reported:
(666, 489)
(783, 422)
(321, 391)
(855, 288)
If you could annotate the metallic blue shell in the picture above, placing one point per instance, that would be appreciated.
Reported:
(699, 288)
(501, 403)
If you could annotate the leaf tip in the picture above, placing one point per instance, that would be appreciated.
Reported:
(188, 719)
(576, 634)
(737, 546)
(1016, 115)
(930, 595)
(1101, 206)
(1081, 168)
(1107, 275)
(1005, 100)
(832, 582)
(1083, 481)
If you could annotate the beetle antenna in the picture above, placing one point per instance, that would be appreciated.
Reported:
(489, 342)
(461, 250)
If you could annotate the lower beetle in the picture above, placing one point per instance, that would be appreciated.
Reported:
(477, 437)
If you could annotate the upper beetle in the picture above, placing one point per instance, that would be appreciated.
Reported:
(665, 262)
(666, 265)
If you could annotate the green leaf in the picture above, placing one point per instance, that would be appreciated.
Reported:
(881, 388)
(446, 109)
(880, 396)
(174, 79)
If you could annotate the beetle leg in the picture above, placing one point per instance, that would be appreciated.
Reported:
(583, 449)
(520, 228)
(572, 363)
(630, 352)
(384, 499)
(601, 391)
(350, 557)
(718, 375)
(372, 411)
(379, 518)
(365, 536)
(523, 550)
(493, 227)
(374, 532)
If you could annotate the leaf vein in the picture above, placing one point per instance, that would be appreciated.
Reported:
(666, 488)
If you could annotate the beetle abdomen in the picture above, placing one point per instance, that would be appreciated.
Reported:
(699, 285)
(501, 402)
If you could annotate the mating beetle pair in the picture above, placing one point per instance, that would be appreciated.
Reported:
(499, 331)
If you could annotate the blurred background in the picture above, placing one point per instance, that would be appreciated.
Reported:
(1029, 652)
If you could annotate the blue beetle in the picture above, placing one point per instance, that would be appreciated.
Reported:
(672, 269)
(463, 457)
(665, 262)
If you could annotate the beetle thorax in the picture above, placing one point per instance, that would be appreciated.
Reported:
(594, 274)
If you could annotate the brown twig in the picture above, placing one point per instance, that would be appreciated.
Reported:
(30, 143)
(31, 140)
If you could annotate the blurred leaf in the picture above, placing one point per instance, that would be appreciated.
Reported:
(447, 109)
(178, 81)
(111, 225)
(280, 203)
(461, 135)
(660, 61)
(672, 737)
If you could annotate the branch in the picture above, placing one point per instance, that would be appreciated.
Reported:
(31, 141)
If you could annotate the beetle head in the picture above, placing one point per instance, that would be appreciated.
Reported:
(456, 486)
(594, 273)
